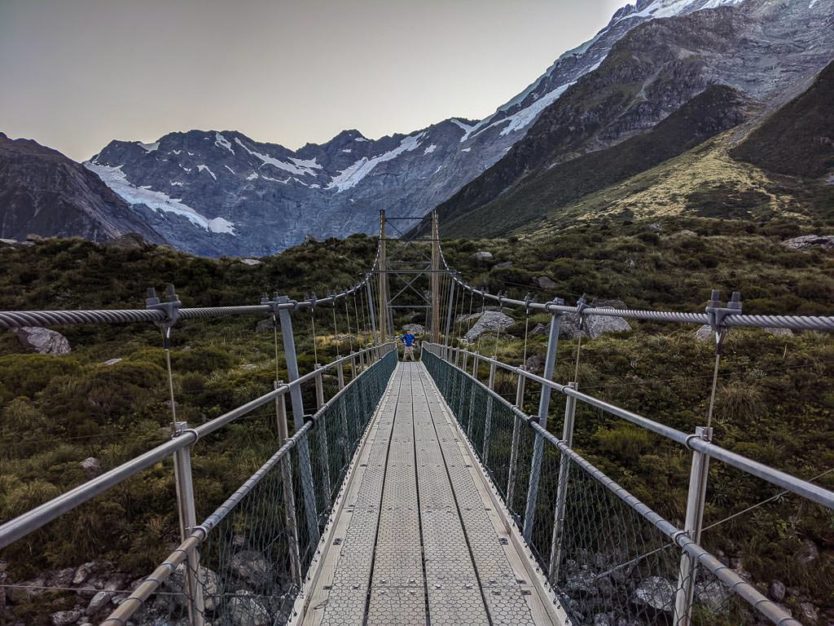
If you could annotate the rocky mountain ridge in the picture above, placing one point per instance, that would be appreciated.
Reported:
(220, 192)
(760, 48)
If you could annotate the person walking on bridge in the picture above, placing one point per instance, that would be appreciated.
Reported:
(408, 340)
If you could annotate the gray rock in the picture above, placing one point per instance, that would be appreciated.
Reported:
(806, 242)
(595, 325)
(506, 265)
(539, 329)
(252, 567)
(251, 262)
(246, 610)
(207, 579)
(482, 255)
(264, 326)
(63, 577)
(83, 572)
(488, 322)
(92, 468)
(655, 592)
(713, 595)
(808, 553)
(43, 340)
(65, 618)
(113, 361)
(534, 364)
(777, 591)
(809, 612)
(416, 329)
(655, 227)
(685, 233)
(545, 283)
(779, 332)
(99, 601)
(704, 333)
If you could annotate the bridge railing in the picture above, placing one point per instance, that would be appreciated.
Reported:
(610, 556)
(245, 562)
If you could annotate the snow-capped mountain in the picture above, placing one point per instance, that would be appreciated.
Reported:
(222, 193)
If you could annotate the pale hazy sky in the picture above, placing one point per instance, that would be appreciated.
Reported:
(75, 74)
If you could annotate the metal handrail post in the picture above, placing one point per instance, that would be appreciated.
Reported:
(449, 312)
(519, 402)
(538, 443)
(340, 374)
(695, 500)
(188, 521)
(488, 418)
(562, 490)
(297, 404)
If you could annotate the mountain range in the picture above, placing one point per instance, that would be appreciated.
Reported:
(661, 78)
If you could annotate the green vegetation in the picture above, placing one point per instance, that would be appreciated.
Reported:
(774, 404)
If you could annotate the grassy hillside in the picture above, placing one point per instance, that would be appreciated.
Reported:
(799, 138)
(713, 111)
(774, 403)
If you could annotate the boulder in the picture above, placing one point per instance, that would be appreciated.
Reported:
(415, 329)
(506, 265)
(809, 613)
(713, 595)
(251, 262)
(704, 333)
(42, 340)
(595, 325)
(207, 580)
(806, 242)
(776, 591)
(655, 592)
(99, 601)
(252, 567)
(534, 364)
(808, 553)
(246, 610)
(482, 255)
(83, 572)
(65, 618)
(539, 329)
(92, 468)
(264, 326)
(545, 283)
(488, 322)
(62, 577)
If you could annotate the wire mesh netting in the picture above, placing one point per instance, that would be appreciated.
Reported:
(610, 565)
(258, 546)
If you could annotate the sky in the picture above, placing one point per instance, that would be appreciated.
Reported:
(75, 74)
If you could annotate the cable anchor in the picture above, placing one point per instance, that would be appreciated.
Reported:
(718, 315)
(170, 307)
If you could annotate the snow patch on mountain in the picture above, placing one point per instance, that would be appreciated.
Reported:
(148, 147)
(299, 167)
(671, 8)
(115, 178)
(352, 175)
(206, 168)
(222, 142)
(430, 149)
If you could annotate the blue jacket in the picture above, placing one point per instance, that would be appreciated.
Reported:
(408, 340)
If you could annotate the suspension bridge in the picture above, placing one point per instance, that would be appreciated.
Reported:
(416, 493)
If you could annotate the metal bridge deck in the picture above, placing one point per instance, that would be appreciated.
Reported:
(418, 537)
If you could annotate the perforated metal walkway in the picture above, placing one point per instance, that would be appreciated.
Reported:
(418, 536)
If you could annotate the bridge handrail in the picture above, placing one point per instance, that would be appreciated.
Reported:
(680, 537)
(30, 521)
(17, 319)
(794, 322)
(786, 481)
(152, 583)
